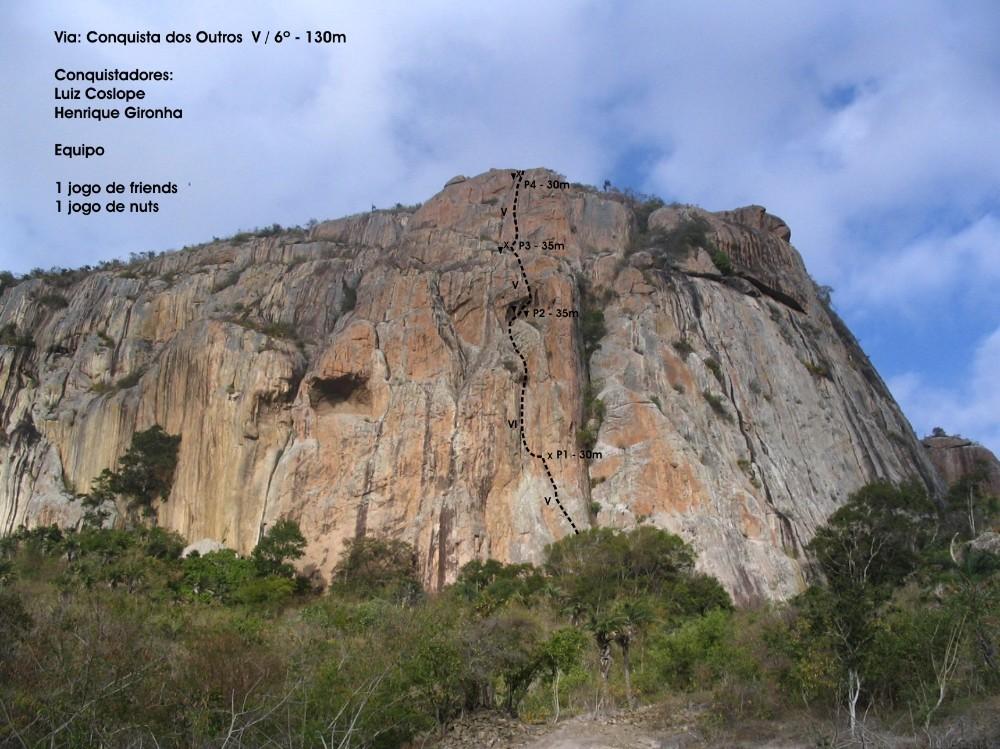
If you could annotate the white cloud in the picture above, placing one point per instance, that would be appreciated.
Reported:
(734, 100)
(869, 127)
(970, 408)
(930, 268)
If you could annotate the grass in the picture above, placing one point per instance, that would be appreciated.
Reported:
(53, 300)
(716, 403)
(282, 330)
(819, 369)
(683, 347)
(10, 337)
(713, 366)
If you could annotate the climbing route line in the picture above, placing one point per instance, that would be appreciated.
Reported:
(514, 311)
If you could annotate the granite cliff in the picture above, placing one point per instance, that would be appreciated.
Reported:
(364, 377)
(957, 458)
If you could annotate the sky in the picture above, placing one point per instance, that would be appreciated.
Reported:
(871, 128)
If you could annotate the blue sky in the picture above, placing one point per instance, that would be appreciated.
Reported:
(871, 128)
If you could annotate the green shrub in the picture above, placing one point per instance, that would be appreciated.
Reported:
(282, 330)
(722, 261)
(349, 300)
(716, 402)
(683, 347)
(215, 576)
(592, 330)
(490, 585)
(699, 655)
(819, 369)
(53, 300)
(264, 591)
(593, 407)
(677, 243)
(378, 568)
(282, 543)
(643, 209)
(586, 438)
(7, 280)
(10, 337)
(713, 366)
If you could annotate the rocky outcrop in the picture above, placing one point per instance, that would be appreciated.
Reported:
(364, 377)
(957, 458)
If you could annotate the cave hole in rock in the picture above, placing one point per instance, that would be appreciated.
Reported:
(348, 392)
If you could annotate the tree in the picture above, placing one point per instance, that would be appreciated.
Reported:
(866, 549)
(145, 474)
(612, 581)
(875, 540)
(631, 619)
(489, 585)
(968, 507)
(559, 653)
(506, 648)
(217, 575)
(282, 543)
(378, 567)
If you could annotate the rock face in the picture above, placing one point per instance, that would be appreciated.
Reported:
(202, 547)
(956, 458)
(364, 377)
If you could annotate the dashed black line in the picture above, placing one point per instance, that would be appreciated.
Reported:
(514, 312)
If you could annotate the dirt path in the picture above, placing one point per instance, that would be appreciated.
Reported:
(587, 734)
(651, 728)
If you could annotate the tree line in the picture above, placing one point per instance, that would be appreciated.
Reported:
(108, 637)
